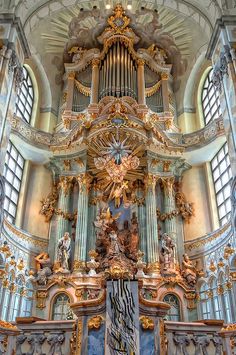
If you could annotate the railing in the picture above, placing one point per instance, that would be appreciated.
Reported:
(194, 338)
(44, 337)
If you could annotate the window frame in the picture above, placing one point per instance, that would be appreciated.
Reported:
(210, 99)
(13, 189)
(219, 179)
(25, 98)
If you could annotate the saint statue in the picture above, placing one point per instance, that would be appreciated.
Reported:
(189, 271)
(44, 268)
(167, 252)
(63, 251)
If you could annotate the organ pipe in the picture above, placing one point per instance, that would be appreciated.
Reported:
(118, 72)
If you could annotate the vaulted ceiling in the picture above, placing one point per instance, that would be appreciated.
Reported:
(189, 22)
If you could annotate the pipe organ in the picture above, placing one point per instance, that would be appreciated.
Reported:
(118, 74)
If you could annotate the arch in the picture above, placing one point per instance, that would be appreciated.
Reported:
(59, 306)
(25, 99)
(210, 101)
(175, 311)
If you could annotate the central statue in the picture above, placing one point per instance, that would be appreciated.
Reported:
(116, 246)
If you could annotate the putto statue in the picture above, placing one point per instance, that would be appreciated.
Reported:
(189, 271)
(63, 252)
(167, 254)
(44, 268)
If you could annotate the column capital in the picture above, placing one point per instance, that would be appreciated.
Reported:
(150, 181)
(95, 62)
(71, 75)
(164, 76)
(65, 183)
(167, 183)
(140, 62)
(84, 180)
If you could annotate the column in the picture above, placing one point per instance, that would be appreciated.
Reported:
(142, 220)
(141, 82)
(165, 92)
(93, 211)
(151, 220)
(65, 186)
(169, 206)
(95, 81)
(82, 218)
(70, 90)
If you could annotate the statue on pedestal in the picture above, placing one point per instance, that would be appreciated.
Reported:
(63, 252)
(44, 268)
(189, 271)
(167, 253)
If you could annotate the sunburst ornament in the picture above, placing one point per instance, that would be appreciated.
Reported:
(117, 160)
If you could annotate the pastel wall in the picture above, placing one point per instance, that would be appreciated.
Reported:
(39, 185)
(195, 190)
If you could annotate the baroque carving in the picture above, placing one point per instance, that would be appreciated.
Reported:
(48, 204)
(146, 322)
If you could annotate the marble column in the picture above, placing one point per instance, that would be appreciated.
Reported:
(82, 219)
(151, 220)
(141, 82)
(165, 92)
(169, 206)
(142, 221)
(95, 81)
(93, 211)
(70, 91)
(65, 186)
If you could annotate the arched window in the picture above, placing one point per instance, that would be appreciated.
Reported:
(216, 300)
(27, 300)
(210, 100)
(13, 172)
(205, 302)
(61, 309)
(25, 98)
(221, 173)
(174, 312)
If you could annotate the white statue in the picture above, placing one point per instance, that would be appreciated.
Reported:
(167, 252)
(64, 250)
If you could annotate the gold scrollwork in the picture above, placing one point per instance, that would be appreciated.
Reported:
(41, 297)
(146, 322)
(95, 322)
(85, 90)
(153, 89)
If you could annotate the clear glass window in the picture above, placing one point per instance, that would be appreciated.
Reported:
(61, 308)
(174, 312)
(13, 171)
(221, 173)
(210, 100)
(25, 98)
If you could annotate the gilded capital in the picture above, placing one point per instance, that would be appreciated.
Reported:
(95, 62)
(164, 76)
(140, 62)
(150, 181)
(71, 75)
(167, 184)
(84, 181)
(65, 183)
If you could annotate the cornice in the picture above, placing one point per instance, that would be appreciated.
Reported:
(220, 24)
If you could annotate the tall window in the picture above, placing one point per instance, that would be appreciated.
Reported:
(61, 308)
(25, 98)
(13, 171)
(222, 174)
(205, 302)
(174, 312)
(210, 100)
